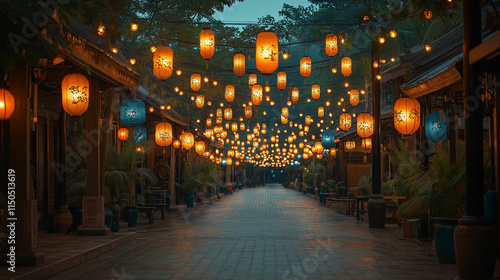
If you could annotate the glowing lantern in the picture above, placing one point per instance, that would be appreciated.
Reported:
(252, 80)
(199, 147)
(284, 120)
(248, 112)
(305, 66)
(8, 104)
(331, 46)
(295, 95)
(123, 133)
(207, 43)
(290, 139)
(281, 77)
(140, 134)
(229, 161)
(345, 121)
(301, 133)
(319, 156)
(229, 94)
(218, 129)
(319, 148)
(435, 129)
(308, 120)
(228, 114)
(209, 122)
(406, 115)
(354, 97)
(195, 82)
(132, 112)
(209, 132)
(75, 96)
(346, 65)
(321, 112)
(234, 127)
(266, 55)
(315, 91)
(365, 125)
(284, 112)
(200, 101)
(163, 134)
(187, 140)
(366, 143)
(256, 95)
(327, 139)
(239, 64)
(350, 145)
(219, 113)
(163, 62)
(177, 144)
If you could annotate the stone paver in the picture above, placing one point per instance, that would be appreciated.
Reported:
(266, 233)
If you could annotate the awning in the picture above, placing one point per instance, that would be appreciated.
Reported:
(436, 78)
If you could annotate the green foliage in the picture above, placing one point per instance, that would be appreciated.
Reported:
(199, 172)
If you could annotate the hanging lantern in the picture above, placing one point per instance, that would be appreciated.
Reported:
(223, 134)
(406, 115)
(187, 140)
(140, 134)
(354, 97)
(163, 62)
(308, 120)
(248, 112)
(321, 112)
(295, 95)
(366, 143)
(207, 43)
(195, 82)
(305, 66)
(163, 134)
(365, 125)
(266, 55)
(256, 95)
(331, 46)
(75, 96)
(350, 145)
(209, 132)
(229, 161)
(284, 120)
(345, 121)
(123, 133)
(435, 129)
(200, 101)
(346, 65)
(209, 122)
(218, 129)
(177, 144)
(228, 114)
(234, 127)
(239, 64)
(315, 91)
(281, 77)
(290, 139)
(199, 147)
(132, 112)
(284, 112)
(8, 104)
(319, 148)
(301, 133)
(327, 139)
(229, 94)
(252, 80)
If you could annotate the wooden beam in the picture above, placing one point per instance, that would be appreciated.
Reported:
(484, 49)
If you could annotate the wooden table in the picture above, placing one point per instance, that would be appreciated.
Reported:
(387, 199)
(349, 204)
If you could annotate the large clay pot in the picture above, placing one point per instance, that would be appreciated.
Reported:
(63, 219)
(475, 248)
(444, 241)
(130, 215)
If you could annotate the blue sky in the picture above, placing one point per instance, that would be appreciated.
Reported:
(252, 10)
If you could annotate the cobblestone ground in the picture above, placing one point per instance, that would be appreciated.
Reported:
(266, 233)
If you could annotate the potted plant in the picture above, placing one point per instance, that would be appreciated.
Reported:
(191, 178)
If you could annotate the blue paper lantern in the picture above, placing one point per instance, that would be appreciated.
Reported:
(140, 134)
(133, 112)
(435, 130)
(327, 139)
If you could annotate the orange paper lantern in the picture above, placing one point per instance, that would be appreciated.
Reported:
(163, 134)
(75, 95)
(321, 112)
(256, 95)
(228, 114)
(199, 147)
(163, 62)
(365, 125)
(207, 43)
(284, 112)
(281, 77)
(209, 122)
(315, 91)
(177, 144)
(346, 65)
(187, 140)
(331, 46)
(354, 97)
(266, 55)
(407, 115)
(195, 82)
(305, 66)
(252, 80)
(229, 94)
(248, 112)
(239, 64)
(295, 95)
(123, 133)
(200, 101)
(345, 121)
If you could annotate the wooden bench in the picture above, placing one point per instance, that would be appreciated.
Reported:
(150, 212)
(349, 204)
(158, 200)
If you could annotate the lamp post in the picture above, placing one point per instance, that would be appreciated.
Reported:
(376, 204)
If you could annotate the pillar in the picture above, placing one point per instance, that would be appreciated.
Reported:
(171, 179)
(25, 218)
(93, 202)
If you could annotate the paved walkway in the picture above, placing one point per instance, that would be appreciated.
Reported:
(265, 233)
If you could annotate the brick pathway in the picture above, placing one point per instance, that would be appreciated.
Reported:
(266, 233)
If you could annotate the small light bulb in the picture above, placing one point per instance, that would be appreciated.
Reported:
(178, 72)
(151, 109)
(393, 34)
(379, 77)
(334, 70)
(134, 26)
(181, 92)
(132, 61)
(427, 48)
(346, 84)
(381, 40)
(206, 79)
(215, 83)
(152, 49)
(162, 107)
